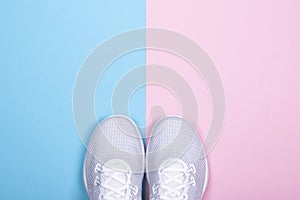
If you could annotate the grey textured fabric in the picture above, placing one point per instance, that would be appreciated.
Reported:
(115, 139)
(175, 138)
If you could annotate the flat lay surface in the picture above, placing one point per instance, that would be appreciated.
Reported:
(254, 45)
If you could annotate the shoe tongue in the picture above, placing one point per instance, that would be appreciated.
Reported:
(120, 168)
(116, 185)
(180, 177)
(174, 183)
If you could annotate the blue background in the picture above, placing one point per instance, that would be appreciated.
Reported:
(43, 44)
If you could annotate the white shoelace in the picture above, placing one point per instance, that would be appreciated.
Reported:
(114, 185)
(174, 180)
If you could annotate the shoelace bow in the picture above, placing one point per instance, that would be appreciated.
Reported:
(125, 191)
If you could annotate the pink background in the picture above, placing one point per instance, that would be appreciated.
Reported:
(256, 48)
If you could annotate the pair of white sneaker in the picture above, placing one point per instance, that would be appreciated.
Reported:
(116, 161)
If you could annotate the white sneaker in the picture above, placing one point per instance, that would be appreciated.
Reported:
(114, 162)
(175, 161)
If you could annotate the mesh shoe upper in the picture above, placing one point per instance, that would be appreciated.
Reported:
(175, 162)
(114, 162)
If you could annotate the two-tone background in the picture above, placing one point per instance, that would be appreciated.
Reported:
(254, 45)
